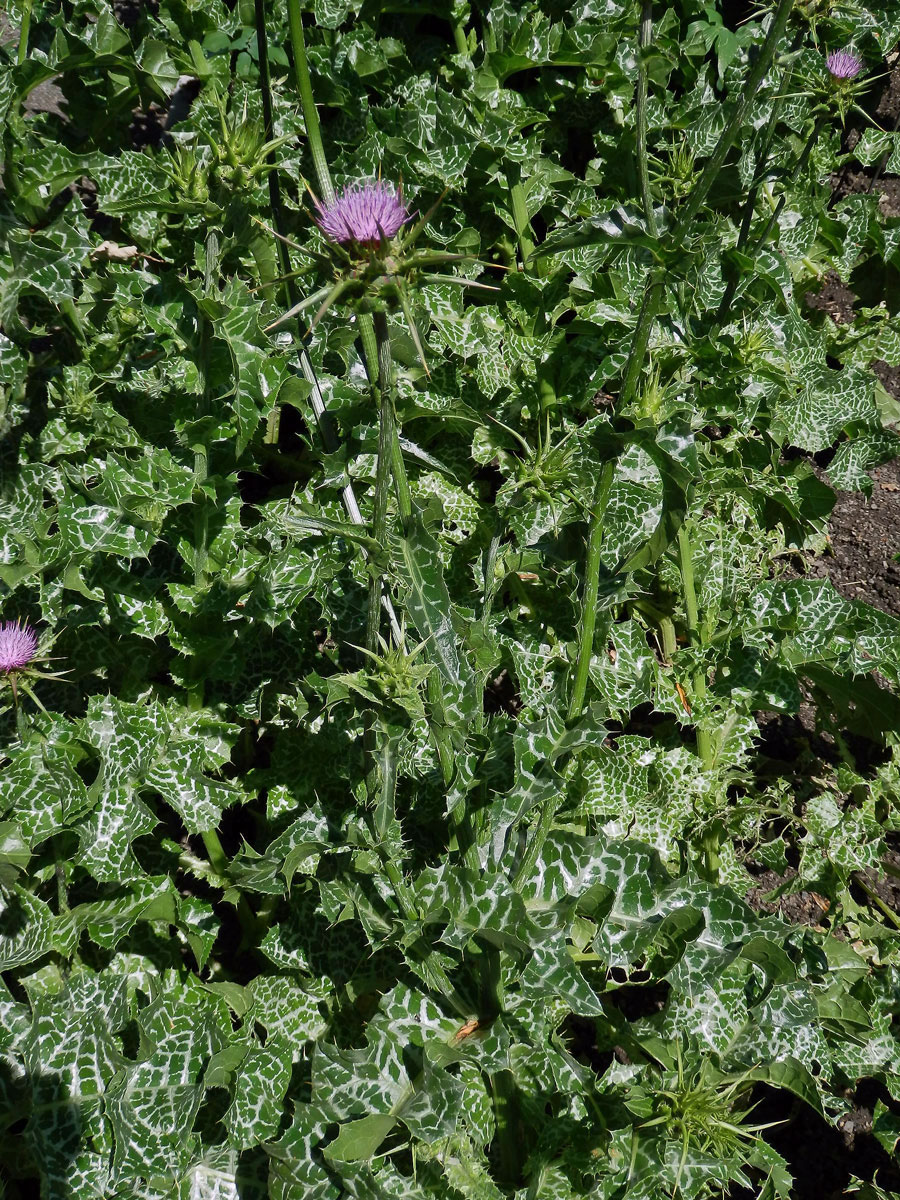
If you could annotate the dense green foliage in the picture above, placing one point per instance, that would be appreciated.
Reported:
(463, 916)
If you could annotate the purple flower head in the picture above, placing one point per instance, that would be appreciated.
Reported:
(18, 646)
(843, 64)
(363, 212)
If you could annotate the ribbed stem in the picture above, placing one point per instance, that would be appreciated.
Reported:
(686, 567)
(273, 419)
(800, 168)
(535, 843)
(265, 91)
(382, 471)
(201, 458)
(520, 215)
(729, 133)
(308, 104)
(201, 450)
(24, 30)
(218, 859)
(644, 39)
(653, 290)
(591, 592)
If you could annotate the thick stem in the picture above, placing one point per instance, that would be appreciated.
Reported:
(649, 307)
(201, 450)
(653, 290)
(62, 892)
(316, 400)
(667, 638)
(708, 177)
(201, 454)
(218, 859)
(801, 167)
(273, 420)
(535, 843)
(686, 567)
(644, 40)
(265, 91)
(24, 30)
(383, 469)
(372, 354)
(251, 926)
(591, 592)
(308, 104)
(374, 347)
(520, 215)
(508, 1144)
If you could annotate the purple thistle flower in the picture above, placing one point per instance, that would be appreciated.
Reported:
(363, 212)
(843, 64)
(18, 646)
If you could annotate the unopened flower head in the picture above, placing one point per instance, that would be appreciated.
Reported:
(18, 646)
(843, 64)
(363, 212)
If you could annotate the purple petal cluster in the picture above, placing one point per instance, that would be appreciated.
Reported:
(18, 645)
(363, 212)
(843, 64)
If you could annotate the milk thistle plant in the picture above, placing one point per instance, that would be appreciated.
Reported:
(428, 812)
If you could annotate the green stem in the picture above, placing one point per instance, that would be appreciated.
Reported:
(218, 859)
(667, 638)
(273, 420)
(459, 37)
(644, 40)
(520, 214)
(801, 167)
(878, 902)
(591, 592)
(308, 104)
(535, 844)
(252, 928)
(383, 470)
(686, 566)
(653, 290)
(265, 91)
(710, 172)
(372, 354)
(316, 400)
(762, 162)
(21, 719)
(508, 1138)
(24, 30)
(434, 973)
(62, 892)
(201, 454)
(374, 346)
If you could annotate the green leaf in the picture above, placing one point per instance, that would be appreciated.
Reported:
(257, 374)
(359, 1140)
(151, 1104)
(259, 1086)
(827, 403)
(430, 608)
(72, 1053)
